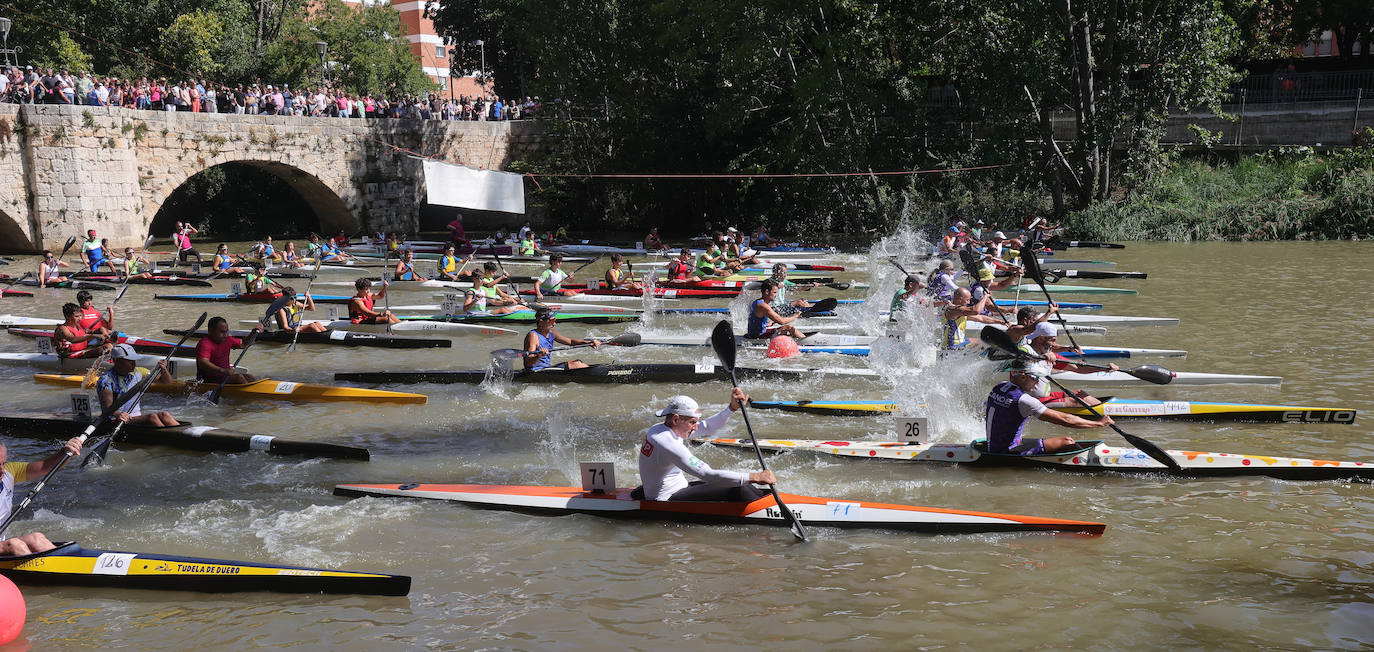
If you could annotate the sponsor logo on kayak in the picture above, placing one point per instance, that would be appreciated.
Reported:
(299, 571)
(1319, 416)
(208, 569)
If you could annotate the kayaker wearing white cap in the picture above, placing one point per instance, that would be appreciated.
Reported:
(1043, 342)
(664, 457)
(1011, 405)
(124, 374)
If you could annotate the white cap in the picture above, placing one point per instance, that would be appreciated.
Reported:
(732, 230)
(683, 405)
(999, 236)
(1044, 329)
(747, 253)
(123, 352)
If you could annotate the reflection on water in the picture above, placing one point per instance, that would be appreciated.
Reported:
(1208, 563)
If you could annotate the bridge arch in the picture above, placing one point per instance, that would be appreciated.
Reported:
(329, 193)
(13, 237)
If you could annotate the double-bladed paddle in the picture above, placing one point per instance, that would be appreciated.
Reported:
(827, 304)
(292, 346)
(247, 342)
(723, 343)
(1032, 266)
(971, 265)
(1003, 341)
(628, 338)
(575, 271)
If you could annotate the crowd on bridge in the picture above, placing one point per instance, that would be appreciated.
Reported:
(31, 85)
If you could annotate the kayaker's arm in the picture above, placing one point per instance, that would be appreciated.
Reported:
(40, 468)
(1072, 420)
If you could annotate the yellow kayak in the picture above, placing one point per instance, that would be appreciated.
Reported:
(266, 388)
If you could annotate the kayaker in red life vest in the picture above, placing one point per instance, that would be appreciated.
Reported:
(360, 310)
(680, 269)
(70, 340)
(652, 242)
(212, 355)
(91, 319)
(1012, 403)
(664, 457)
(16, 472)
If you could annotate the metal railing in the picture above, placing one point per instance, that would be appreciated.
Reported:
(1283, 86)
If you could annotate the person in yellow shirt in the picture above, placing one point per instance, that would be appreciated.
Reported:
(16, 472)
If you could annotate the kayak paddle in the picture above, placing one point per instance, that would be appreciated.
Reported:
(575, 271)
(827, 304)
(971, 265)
(723, 343)
(628, 338)
(16, 282)
(292, 346)
(247, 342)
(1003, 341)
(1036, 274)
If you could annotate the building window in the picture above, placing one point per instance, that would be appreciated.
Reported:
(439, 51)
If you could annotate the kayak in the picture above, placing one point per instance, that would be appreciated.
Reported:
(1093, 274)
(178, 367)
(72, 284)
(71, 565)
(817, 339)
(1180, 378)
(1116, 408)
(265, 389)
(8, 321)
(812, 511)
(411, 326)
(139, 280)
(1085, 244)
(1065, 289)
(1074, 319)
(15, 293)
(597, 374)
(1093, 456)
(666, 293)
(253, 297)
(140, 344)
(338, 338)
(580, 308)
(521, 317)
(185, 436)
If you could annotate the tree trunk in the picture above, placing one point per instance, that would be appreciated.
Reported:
(1081, 37)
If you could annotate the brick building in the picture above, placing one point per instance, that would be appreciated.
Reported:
(427, 46)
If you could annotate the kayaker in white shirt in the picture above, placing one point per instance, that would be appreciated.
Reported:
(664, 459)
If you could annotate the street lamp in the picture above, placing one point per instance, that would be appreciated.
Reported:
(452, 52)
(5, 24)
(483, 45)
(321, 47)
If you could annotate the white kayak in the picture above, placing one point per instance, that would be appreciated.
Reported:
(407, 326)
(179, 367)
(817, 339)
(580, 308)
(7, 321)
(973, 327)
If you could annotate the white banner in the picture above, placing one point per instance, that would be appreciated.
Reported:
(462, 187)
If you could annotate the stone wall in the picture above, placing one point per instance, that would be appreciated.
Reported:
(66, 169)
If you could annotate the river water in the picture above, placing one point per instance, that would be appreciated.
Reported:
(1233, 563)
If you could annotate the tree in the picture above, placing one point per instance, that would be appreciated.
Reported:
(65, 53)
(190, 43)
(366, 53)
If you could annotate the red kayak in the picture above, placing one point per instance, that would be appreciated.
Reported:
(140, 344)
(17, 293)
(661, 293)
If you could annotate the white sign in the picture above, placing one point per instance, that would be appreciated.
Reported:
(333, 313)
(195, 269)
(235, 288)
(44, 345)
(597, 477)
(450, 307)
(113, 563)
(914, 430)
(81, 406)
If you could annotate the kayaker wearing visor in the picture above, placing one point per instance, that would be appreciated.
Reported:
(664, 459)
(540, 341)
(1043, 342)
(16, 472)
(1011, 404)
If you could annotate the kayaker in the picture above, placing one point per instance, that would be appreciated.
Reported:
(123, 374)
(664, 459)
(652, 242)
(619, 278)
(956, 316)
(761, 314)
(405, 267)
(908, 292)
(780, 302)
(16, 472)
(527, 246)
(491, 286)
(1026, 321)
(982, 287)
(949, 244)
(551, 279)
(540, 341)
(92, 320)
(525, 232)
(449, 268)
(212, 355)
(289, 257)
(457, 233)
(288, 317)
(679, 269)
(1044, 341)
(135, 265)
(181, 237)
(942, 282)
(267, 251)
(712, 263)
(224, 261)
(1011, 404)
(70, 340)
(360, 306)
(49, 270)
(255, 280)
(476, 299)
(93, 254)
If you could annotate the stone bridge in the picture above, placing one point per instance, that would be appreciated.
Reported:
(66, 169)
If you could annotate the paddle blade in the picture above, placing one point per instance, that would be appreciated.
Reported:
(723, 343)
(96, 454)
(1152, 374)
(70, 241)
(628, 338)
(506, 354)
(1032, 267)
(824, 305)
(999, 338)
(1149, 448)
(970, 260)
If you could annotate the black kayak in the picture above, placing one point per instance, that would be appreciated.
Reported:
(185, 436)
(74, 284)
(600, 374)
(159, 279)
(340, 338)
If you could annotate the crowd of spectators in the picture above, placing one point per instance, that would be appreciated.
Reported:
(53, 86)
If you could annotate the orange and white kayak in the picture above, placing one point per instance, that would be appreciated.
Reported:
(279, 390)
(810, 510)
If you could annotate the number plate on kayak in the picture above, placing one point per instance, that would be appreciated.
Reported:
(81, 406)
(914, 430)
(113, 563)
(44, 345)
(285, 388)
(598, 477)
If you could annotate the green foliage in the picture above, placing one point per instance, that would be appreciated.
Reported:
(1285, 195)
(367, 53)
(64, 53)
(189, 43)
